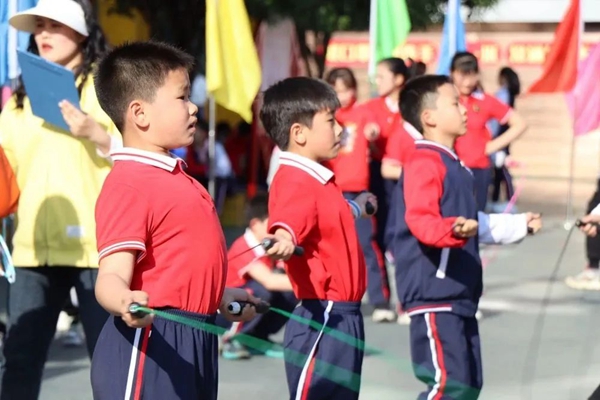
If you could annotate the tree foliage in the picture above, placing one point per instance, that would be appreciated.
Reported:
(181, 22)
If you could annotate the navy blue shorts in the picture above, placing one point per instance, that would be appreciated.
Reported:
(321, 365)
(446, 355)
(166, 360)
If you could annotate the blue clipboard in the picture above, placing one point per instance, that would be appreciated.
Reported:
(47, 84)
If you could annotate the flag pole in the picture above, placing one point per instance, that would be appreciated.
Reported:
(211, 145)
(569, 211)
(569, 219)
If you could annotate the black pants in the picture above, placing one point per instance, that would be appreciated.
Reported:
(502, 177)
(592, 244)
(35, 300)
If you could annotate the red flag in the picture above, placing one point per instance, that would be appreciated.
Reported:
(560, 68)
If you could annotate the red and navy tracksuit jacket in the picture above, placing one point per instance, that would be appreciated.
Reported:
(435, 271)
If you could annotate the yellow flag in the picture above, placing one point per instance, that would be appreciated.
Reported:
(233, 71)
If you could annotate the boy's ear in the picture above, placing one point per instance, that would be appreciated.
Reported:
(428, 117)
(136, 111)
(297, 134)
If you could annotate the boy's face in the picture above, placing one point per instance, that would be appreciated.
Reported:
(172, 114)
(449, 116)
(323, 139)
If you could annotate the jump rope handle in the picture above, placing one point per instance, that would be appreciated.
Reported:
(369, 207)
(236, 307)
(579, 223)
(134, 309)
(268, 243)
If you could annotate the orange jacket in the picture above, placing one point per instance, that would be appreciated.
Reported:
(9, 190)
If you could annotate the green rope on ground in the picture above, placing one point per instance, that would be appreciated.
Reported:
(338, 375)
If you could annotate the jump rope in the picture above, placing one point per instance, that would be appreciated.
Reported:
(334, 373)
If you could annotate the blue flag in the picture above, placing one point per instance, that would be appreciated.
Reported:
(453, 39)
(11, 39)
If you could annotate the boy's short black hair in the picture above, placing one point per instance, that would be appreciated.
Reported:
(258, 207)
(420, 93)
(135, 71)
(294, 100)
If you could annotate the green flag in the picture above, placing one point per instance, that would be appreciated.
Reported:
(389, 27)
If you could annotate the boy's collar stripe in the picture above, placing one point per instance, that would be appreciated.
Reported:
(313, 168)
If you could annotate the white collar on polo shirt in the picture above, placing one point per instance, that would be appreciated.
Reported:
(145, 157)
(313, 168)
(412, 131)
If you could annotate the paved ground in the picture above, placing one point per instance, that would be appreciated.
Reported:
(568, 365)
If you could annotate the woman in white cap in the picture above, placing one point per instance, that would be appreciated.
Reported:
(60, 174)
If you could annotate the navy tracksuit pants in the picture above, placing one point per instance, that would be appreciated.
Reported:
(165, 360)
(446, 355)
(322, 364)
(378, 285)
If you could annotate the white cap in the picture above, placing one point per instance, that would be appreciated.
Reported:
(66, 12)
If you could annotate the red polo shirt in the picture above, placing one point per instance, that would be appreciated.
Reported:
(481, 108)
(241, 258)
(351, 166)
(387, 117)
(305, 201)
(150, 205)
(401, 144)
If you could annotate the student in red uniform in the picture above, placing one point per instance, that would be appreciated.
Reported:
(475, 148)
(159, 239)
(351, 169)
(306, 208)
(257, 273)
(392, 73)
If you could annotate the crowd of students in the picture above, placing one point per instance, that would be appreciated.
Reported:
(111, 212)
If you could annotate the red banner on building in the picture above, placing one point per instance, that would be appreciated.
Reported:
(354, 52)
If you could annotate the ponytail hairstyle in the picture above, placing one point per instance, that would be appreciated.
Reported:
(93, 48)
(510, 80)
(397, 66)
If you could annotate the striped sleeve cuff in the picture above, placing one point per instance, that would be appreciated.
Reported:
(356, 211)
(122, 246)
(284, 226)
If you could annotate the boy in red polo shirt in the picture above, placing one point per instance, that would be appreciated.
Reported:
(251, 269)
(160, 243)
(307, 208)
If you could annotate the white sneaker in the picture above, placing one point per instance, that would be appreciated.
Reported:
(64, 323)
(403, 319)
(383, 315)
(588, 279)
(478, 315)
